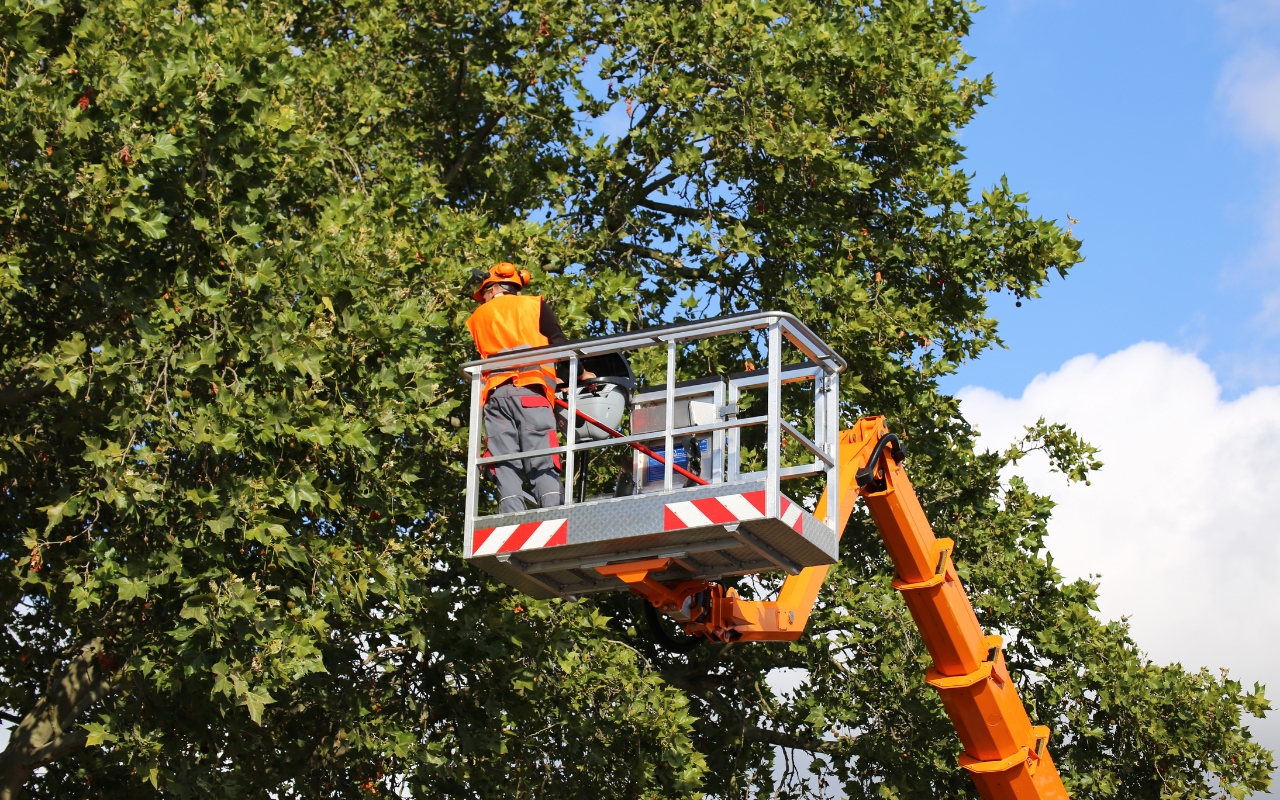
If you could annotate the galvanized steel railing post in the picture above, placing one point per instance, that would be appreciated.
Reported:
(571, 428)
(733, 437)
(820, 409)
(669, 455)
(471, 504)
(832, 412)
(717, 438)
(773, 454)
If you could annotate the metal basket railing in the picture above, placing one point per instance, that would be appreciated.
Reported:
(821, 365)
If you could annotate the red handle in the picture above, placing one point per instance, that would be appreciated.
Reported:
(636, 445)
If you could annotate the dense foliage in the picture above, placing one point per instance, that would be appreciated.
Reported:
(235, 243)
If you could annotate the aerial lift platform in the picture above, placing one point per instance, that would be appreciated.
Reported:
(698, 516)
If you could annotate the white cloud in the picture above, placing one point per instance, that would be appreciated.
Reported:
(1183, 522)
(1245, 18)
(1250, 88)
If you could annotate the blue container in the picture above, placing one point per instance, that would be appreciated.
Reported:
(654, 473)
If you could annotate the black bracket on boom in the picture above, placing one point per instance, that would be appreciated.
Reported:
(867, 475)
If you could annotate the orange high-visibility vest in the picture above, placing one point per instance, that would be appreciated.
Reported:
(508, 322)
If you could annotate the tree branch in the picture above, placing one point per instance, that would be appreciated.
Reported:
(46, 733)
(695, 214)
(477, 140)
(624, 144)
(666, 259)
(632, 174)
(665, 180)
(359, 172)
(10, 604)
(689, 674)
(779, 739)
(59, 747)
(17, 397)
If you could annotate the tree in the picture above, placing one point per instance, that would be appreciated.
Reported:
(236, 244)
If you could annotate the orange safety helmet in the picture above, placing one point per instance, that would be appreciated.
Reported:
(504, 272)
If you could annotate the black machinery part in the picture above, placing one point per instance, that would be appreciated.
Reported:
(672, 644)
(867, 475)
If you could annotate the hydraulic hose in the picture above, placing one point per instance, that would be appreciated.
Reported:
(634, 445)
(868, 473)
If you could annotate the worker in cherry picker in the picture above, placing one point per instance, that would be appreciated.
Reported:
(518, 403)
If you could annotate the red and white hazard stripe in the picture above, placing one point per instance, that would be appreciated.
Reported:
(727, 509)
(511, 538)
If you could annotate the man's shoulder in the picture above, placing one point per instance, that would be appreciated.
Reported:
(517, 301)
(507, 304)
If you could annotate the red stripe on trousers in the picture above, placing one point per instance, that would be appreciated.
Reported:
(555, 457)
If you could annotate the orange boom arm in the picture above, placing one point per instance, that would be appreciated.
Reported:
(1007, 757)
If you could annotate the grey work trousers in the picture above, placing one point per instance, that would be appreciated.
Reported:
(517, 419)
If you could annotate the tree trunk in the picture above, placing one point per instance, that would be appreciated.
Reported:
(16, 397)
(46, 733)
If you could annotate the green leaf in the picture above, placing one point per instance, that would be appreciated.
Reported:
(302, 492)
(283, 118)
(221, 524)
(130, 588)
(251, 233)
(165, 146)
(256, 700)
(98, 734)
(153, 227)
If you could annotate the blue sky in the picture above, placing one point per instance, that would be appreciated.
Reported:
(1157, 125)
